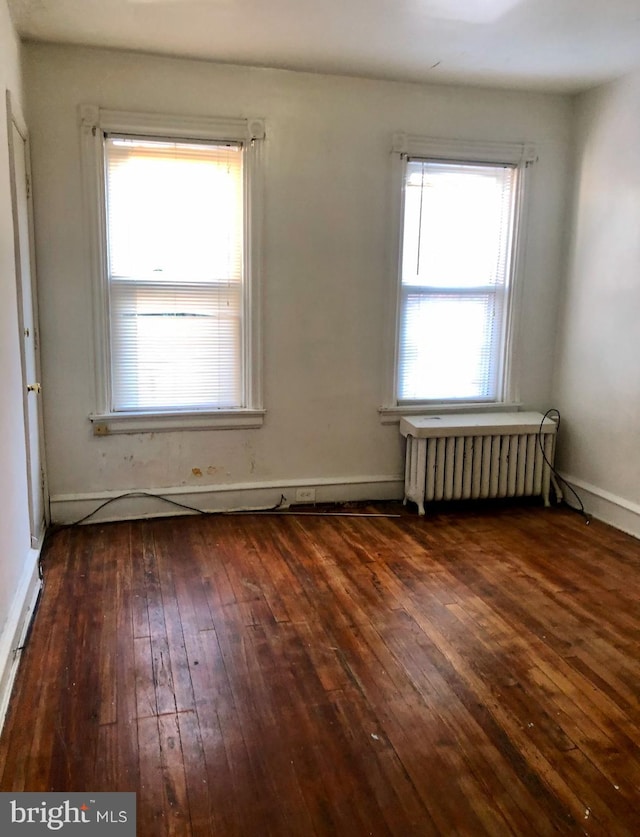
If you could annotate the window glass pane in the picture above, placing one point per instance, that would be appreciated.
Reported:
(174, 210)
(175, 225)
(457, 224)
(175, 346)
(446, 347)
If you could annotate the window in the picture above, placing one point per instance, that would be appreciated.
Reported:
(458, 257)
(175, 239)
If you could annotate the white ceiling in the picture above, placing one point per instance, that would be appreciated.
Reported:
(562, 45)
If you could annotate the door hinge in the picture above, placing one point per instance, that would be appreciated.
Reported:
(28, 179)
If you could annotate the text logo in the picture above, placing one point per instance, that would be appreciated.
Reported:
(33, 814)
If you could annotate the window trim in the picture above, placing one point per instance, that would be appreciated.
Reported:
(94, 123)
(522, 155)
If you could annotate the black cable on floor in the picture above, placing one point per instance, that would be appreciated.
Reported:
(179, 505)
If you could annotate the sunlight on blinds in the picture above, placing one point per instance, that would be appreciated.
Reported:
(458, 221)
(175, 222)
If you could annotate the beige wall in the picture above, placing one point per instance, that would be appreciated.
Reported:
(597, 385)
(326, 258)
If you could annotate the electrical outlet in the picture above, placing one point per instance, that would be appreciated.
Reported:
(305, 495)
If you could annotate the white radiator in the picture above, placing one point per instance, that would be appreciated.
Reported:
(484, 455)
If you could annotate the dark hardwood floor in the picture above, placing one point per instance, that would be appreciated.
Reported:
(475, 672)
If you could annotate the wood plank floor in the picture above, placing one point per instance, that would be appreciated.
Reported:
(475, 672)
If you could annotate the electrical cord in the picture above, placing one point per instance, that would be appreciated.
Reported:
(179, 505)
(580, 509)
(280, 509)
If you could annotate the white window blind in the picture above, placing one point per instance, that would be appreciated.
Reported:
(175, 241)
(455, 270)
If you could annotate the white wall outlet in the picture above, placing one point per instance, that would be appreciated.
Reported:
(305, 495)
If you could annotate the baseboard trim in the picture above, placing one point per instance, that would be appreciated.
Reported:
(67, 508)
(605, 506)
(17, 626)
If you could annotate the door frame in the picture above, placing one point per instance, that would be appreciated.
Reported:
(16, 119)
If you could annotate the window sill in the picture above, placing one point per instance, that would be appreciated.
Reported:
(392, 415)
(106, 424)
